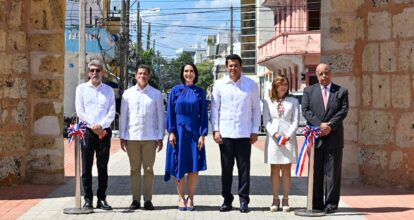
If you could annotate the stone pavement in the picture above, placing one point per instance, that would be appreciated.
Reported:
(165, 199)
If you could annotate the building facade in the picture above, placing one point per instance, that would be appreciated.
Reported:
(248, 36)
(294, 48)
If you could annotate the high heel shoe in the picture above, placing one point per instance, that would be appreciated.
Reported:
(275, 205)
(285, 205)
(189, 207)
(182, 208)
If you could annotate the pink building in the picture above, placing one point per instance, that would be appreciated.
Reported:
(294, 49)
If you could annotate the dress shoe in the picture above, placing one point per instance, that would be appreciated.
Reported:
(135, 205)
(148, 205)
(102, 204)
(329, 210)
(244, 208)
(88, 204)
(225, 207)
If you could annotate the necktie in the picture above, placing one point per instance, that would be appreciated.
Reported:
(325, 96)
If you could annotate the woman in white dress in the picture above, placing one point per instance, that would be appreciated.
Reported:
(280, 116)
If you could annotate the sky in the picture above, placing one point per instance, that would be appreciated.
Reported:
(184, 23)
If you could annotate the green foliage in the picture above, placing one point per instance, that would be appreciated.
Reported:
(171, 72)
(205, 74)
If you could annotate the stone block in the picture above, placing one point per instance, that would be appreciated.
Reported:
(3, 41)
(47, 65)
(14, 20)
(350, 166)
(396, 160)
(48, 125)
(15, 88)
(366, 90)
(16, 41)
(6, 64)
(44, 142)
(341, 63)
(379, 25)
(376, 127)
(47, 88)
(20, 63)
(406, 56)
(350, 83)
(20, 114)
(45, 159)
(12, 142)
(379, 3)
(46, 14)
(388, 57)
(381, 91)
(10, 166)
(370, 58)
(43, 109)
(351, 125)
(404, 1)
(401, 93)
(342, 6)
(373, 158)
(47, 42)
(401, 23)
(405, 130)
(340, 33)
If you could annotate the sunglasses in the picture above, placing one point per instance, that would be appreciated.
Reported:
(95, 70)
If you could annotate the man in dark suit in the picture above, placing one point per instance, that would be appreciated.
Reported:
(325, 104)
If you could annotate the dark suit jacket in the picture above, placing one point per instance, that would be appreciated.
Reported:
(337, 109)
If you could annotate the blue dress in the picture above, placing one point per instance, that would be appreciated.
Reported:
(187, 118)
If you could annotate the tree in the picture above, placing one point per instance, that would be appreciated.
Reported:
(171, 72)
(205, 74)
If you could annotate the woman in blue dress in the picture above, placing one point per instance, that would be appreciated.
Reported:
(187, 124)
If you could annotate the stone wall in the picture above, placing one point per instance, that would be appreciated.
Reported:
(370, 46)
(31, 90)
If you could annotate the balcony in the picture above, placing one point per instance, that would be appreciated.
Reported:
(299, 43)
(272, 3)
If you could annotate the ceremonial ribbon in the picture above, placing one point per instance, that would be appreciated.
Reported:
(311, 134)
(75, 130)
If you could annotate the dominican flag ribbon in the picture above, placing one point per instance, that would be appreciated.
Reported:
(281, 140)
(75, 130)
(311, 134)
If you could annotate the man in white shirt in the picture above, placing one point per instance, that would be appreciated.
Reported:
(141, 132)
(95, 106)
(235, 116)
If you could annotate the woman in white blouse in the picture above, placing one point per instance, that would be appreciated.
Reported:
(280, 116)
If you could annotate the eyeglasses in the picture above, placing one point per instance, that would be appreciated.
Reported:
(95, 70)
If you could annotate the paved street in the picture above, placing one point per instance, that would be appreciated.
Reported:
(165, 196)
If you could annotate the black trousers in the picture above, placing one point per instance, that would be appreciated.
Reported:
(102, 149)
(327, 169)
(239, 149)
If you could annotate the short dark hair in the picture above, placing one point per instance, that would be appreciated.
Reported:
(233, 57)
(195, 72)
(143, 66)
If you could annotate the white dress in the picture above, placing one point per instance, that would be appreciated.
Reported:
(287, 124)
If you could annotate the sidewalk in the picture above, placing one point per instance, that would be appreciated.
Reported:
(46, 202)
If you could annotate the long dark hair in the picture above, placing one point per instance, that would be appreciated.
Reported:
(195, 72)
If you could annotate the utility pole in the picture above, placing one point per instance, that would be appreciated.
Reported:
(122, 48)
(231, 29)
(126, 52)
(82, 42)
(138, 52)
(149, 37)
